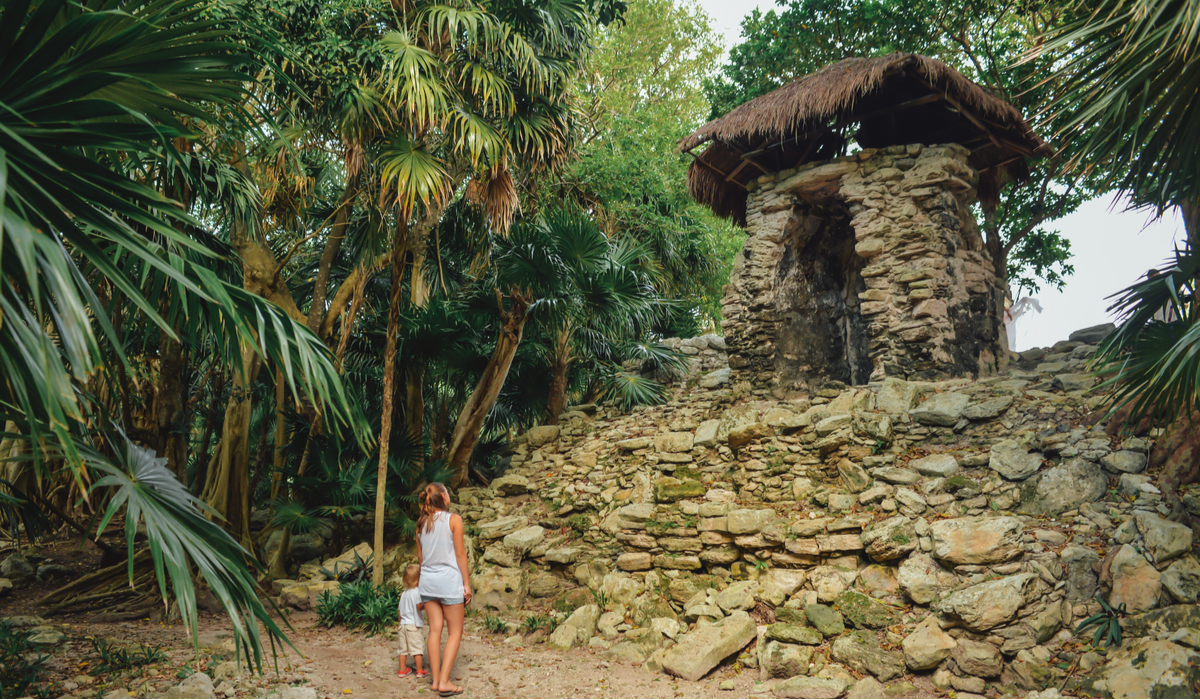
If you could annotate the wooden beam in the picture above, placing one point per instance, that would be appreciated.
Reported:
(999, 143)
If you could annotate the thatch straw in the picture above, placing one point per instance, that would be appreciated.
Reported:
(858, 87)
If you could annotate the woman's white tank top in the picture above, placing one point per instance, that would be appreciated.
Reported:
(440, 575)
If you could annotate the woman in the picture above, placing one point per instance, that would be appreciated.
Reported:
(445, 581)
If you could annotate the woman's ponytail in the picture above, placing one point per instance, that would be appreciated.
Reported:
(434, 498)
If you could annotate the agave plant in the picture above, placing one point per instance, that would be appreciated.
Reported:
(1107, 623)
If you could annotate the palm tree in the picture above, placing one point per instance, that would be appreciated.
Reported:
(91, 96)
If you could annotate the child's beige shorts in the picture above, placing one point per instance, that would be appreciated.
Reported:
(412, 640)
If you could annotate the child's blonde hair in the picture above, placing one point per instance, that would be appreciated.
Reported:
(412, 576)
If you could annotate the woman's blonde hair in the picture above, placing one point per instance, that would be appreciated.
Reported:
(434, 499)
(412, 576)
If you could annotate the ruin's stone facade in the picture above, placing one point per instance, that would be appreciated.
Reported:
(864, 267)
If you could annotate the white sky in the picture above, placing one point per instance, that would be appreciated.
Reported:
(1112, 248)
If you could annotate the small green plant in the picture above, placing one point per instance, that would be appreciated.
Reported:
(353, 571)
(563, 605)
(579, 524)
(472, 530)
(1107, 623)
(495, 625)
(761, 565)
(600, 597)
(360, 605)
(878, 447)
(20, 663)
(115, 658)
(533, 623)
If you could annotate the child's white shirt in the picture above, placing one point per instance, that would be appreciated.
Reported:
(408, 607)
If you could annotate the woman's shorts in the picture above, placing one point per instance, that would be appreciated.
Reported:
(412, 640)
(443, 601)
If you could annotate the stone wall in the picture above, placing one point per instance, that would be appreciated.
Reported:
(864, 267)
(949, 532)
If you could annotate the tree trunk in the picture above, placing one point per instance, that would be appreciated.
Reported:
(414, 400)
(170, 434)
(333, 244)
(210, 425)
(1191, 223)
(556, 402)
(227, 484)
(479, 404)
(278, 459)
(389, 386)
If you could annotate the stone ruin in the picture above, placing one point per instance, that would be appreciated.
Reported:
(862, 266)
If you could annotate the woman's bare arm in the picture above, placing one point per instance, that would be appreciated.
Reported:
(460, 552)
(420, 557)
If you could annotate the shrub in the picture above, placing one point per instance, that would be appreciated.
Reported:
(494, 624)
(20, 662)
(114, 657)
(360, 605)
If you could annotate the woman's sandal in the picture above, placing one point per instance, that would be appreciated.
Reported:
(452, 693)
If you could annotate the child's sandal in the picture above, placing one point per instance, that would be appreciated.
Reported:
(422, 674)
(405, 673)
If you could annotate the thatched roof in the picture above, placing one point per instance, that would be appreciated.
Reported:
(897, 99)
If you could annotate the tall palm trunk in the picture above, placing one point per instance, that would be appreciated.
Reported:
(227, 483)
(556, 402)
(170, 438)
(479, 404)
(389, 388)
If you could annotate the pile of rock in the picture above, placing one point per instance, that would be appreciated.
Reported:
(957, 529)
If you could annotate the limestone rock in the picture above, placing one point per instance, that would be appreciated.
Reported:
(511, 484)
(829, 582)
(716, 378)
(977, 540)
(990, 408)
(810, 687)
(563, 555)
(781, 584)
(544, 586)
(977, 658)
(634, 561)
(890, 539)
(637, 646)
(863, 652)
(1124, 462)
(1150, 669)
(936, 465)
(668, 489)
(864, 611)
(541, 435)
(991, 603)
(197, 685)
(941, 409)
(866, 689)
(673, 442)
(738, 596)
(576, 629)
(783, 660)
(1164, 539)
(499, 587)
(1182, 579)
(501, 554)
(1135, 582)
(1013, 461)
(16, 567)
(702, 649)
(706, 434)
(1092, 334)
(1161, 622)
(1062, 488)
(749, 521)
(733, 419)
(495, 529)
(745, 434)
(853, 476)
(828, 621)
(922, 579)
(793, 634)
(927, 646)
(1080, 574)
(896, 396)
(526, 539)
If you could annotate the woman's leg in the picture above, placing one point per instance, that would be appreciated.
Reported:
(436, 618)
(454, 615)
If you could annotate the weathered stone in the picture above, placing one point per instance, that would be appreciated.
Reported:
(634, 561)
(733, 419)
(977, 658)
(783, 660)
(511, 484)
(1013, 461)
(991, 603)
(541, 435)
(679, 562)
(701, 650)
(863, 652)
(1092, 334)
(45, 636)
(16, 567)
(829, 582)
(637, 646)
(927, 646)
(499, 588)
(854, 477)
(563, 555)
(1079, 563)
(673, 442)
(864, 611)
(897, 475)
(745, 434)
(1182, 579)
(738, 596)
(706, 433)
(793, 634)
(544, 586)
(1135, 582)
(941, 409)
(1164, 539)
(896, 396)
(977, 540)
(348, 559)
(749, 521)
(526, 539)
(1161, 622)
(936, 465)
(923, 580)
(668, 489)
(1073, 382)
(867, 689)
(890, 539)
(1062, 488)
(1150, 669)
(716, 378)
(810, 687)
(1124, 462)
(500, 527)
(576, 629)
(781, 584)
(197, 685)
(990, 408)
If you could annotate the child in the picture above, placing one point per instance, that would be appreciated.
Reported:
(412, 641)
